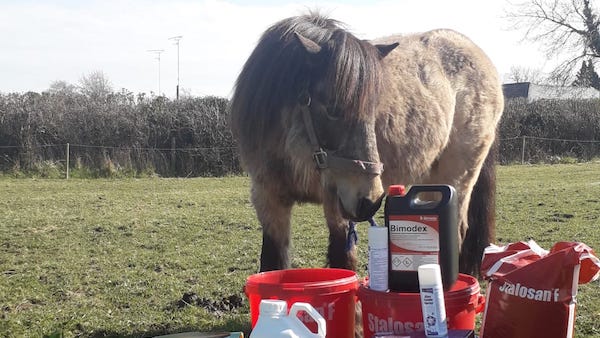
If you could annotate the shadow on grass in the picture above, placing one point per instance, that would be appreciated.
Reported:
(233, 325)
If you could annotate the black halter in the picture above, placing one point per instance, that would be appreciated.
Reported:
(322, 159)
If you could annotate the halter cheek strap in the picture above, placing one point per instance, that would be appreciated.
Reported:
(322, 159)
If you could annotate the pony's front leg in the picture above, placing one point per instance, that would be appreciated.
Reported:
(339, 255)
(274, 215)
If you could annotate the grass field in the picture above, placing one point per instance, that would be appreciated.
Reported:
(141, 257)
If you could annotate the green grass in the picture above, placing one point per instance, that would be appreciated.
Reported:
(141, 257)
(551, 204)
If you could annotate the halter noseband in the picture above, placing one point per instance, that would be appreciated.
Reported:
(322, 159)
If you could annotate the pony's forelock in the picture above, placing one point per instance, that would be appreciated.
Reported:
(278, 70)
(354, 75)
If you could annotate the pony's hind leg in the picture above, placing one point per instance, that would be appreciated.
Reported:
(460, 166)
(274, 214)
(482, 216)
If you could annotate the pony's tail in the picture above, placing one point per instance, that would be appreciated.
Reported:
(482, 216)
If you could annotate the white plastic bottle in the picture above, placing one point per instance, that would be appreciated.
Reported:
(274, 322)
(378, 258)
(432, 300)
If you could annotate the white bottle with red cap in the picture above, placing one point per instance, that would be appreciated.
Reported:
(275, 322)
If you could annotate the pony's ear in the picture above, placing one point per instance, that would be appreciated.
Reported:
(308, 44)
(384, 50)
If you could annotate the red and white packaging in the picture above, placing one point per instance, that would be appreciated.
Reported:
(531, 291)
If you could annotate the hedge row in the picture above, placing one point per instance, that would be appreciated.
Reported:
(190, 137)
(551, 129)
(120, 131)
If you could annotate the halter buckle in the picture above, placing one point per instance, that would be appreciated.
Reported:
(320, 157)
(304, 99)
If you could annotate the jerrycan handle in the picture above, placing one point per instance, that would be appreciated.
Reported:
(314, 314)
(447, 191)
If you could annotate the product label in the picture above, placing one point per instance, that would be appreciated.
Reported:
(388, 324)
(414, 241)
(378, 269)
(544, 295)
(434, 312)
(326, 310)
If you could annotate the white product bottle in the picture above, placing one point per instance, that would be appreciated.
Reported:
(378, 258)
(432, 300)
(274, 322)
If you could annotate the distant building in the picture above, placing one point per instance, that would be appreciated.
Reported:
(532, 92)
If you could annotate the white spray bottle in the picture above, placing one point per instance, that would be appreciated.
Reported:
(378, 257)
(432, 301)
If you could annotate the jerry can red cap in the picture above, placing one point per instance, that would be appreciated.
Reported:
(396, 190)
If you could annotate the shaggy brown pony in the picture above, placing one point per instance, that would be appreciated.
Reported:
(317, 113)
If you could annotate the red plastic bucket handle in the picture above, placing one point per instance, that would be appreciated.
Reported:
(480, 304)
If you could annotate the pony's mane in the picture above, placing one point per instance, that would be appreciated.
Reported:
(279, 69)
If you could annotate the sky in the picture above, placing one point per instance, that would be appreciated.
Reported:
(46, 41)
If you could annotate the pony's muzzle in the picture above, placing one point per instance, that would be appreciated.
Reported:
(365, 209)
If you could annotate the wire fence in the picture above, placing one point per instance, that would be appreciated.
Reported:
(107, 160)
(220, 161)
(532, 149)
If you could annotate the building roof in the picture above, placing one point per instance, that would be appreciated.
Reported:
(533, 92)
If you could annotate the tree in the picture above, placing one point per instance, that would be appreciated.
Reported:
(567, 29)
(95, 85)
(587, 76)
(522, 74)
(61, 87)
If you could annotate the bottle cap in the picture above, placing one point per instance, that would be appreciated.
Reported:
(396, 190)
(378, 237)
(430, 274)
(272, 307)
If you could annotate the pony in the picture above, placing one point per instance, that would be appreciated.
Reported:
(322, 116)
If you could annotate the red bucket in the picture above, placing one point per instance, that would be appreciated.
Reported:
(332, 292)
(401, 313)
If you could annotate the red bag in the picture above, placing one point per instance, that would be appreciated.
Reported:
(531, 291)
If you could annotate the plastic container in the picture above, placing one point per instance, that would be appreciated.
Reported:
(378, 258)
(401, 313)
(274, 321)
(332, 292)
(432, 301)
(423, 229)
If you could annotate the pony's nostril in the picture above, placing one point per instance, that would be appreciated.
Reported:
(366, 208)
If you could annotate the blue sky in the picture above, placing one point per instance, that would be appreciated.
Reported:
(45, 41)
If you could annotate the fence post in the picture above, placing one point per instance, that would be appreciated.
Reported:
(173, 166)
(523, 151)
(68, 160)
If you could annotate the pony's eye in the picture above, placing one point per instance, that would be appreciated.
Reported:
(333, 113)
